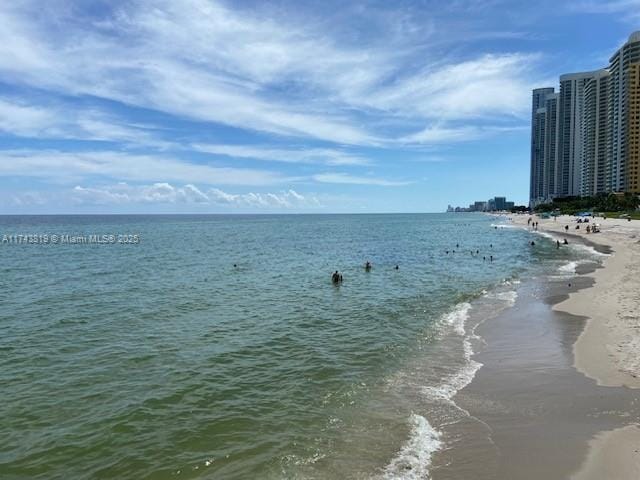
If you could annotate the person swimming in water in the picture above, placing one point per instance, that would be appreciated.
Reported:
(565, 242)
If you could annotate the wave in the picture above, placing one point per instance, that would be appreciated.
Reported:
(589, 249)
(509, 297)
(569, 267)
(414, 458)
(458, 317)
(504, 225)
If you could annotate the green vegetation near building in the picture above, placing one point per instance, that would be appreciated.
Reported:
(610, 205)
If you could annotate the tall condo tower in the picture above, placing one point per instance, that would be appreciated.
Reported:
(621, 67)
(550, 156)
(538, 117)
(595, 131)
(570, 151)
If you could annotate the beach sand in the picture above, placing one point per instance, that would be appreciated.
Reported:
(531, 414)
(608, 348)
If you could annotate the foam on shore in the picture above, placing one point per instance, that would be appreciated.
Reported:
(414, 458)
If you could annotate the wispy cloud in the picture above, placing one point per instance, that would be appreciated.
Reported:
(630, 8)
(71, 166)
(63, 121)
(200, 59)
(343, 178)
(325, 156)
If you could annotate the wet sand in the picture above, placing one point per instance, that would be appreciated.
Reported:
(532, 415)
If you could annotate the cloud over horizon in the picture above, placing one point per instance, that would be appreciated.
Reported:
(215, 93)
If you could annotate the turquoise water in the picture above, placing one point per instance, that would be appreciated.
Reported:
(163, 360)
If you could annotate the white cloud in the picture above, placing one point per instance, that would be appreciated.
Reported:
(123, 193)
(22, 119)
(325, 156)
(343, 178)
(286, 199)
(259, 71)
(72, 166)
(55, 121)
(165, 193)
(441, 134)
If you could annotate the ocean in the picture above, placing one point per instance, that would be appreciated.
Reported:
(216, 346)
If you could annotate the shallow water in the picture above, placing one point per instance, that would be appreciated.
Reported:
(163, 360)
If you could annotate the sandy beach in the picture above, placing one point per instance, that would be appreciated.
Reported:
(608, 349)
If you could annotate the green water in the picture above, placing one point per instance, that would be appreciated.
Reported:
(163, 360)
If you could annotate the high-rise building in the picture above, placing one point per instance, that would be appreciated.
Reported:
(595, 130)
(585, 140)
(571, 129)
(537, 147)
(619, 120)
(550, 141)
(633, 129)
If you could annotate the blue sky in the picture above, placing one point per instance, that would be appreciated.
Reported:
(210, 106)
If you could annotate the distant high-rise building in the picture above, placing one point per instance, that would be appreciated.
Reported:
(500, 203)
(619, 120)
(595, 130)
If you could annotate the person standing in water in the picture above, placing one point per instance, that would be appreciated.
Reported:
(367, 266)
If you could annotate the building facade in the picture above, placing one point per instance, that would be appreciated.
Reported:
(538, 118)
(595, 131)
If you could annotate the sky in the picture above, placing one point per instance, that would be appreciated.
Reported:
(207, 106)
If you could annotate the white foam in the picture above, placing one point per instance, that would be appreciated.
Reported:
(504, 225)
(589, 249)
(463, 377)
(458, 317)
(509, 297)
(454, 383)
(545, 234)
(414, 458)
(569, 267)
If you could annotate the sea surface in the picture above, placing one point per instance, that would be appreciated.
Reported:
(216, 346)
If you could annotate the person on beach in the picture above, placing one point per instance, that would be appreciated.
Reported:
(566, 228)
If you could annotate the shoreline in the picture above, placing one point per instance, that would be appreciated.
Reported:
(606, 350)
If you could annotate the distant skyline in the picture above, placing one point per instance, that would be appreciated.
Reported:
(200, 106)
